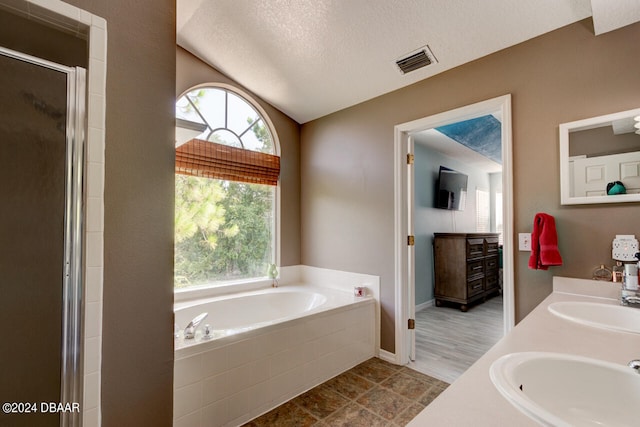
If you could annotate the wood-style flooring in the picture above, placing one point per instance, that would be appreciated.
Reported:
(449, 341)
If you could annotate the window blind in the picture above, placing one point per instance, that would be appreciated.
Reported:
(482, 211)
(212, 160)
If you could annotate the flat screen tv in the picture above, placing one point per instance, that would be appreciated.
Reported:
(451, 191)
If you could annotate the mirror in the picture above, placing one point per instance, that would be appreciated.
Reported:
(600, 159)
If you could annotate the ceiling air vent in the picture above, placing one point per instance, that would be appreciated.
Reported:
(415, 60)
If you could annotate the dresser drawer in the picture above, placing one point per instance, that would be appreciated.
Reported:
(491, 282)
(475, 248)
(475, 267)
(475, 287)
(491, 264)
(492, 245)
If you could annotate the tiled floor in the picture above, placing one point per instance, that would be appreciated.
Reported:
(374, 393)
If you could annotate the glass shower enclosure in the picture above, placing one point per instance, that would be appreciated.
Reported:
(42, 125)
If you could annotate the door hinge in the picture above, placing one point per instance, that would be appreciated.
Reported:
(410, 159)
(412, 323)
(411, 240)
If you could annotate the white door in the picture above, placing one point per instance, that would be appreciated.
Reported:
(592, 174)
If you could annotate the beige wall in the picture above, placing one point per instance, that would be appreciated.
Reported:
(566, 75)
(32, 37)
(137, 357)
(190, 72)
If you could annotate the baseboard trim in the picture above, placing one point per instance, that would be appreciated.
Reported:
(388, 356)
(424, 305)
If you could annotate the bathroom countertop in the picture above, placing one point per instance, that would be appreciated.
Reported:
(473, 399)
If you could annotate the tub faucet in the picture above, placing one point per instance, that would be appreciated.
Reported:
(190, 330)
(635, 365)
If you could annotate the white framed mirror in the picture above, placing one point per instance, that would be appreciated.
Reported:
(600, 159)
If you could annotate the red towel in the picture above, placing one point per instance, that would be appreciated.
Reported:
(544, 243)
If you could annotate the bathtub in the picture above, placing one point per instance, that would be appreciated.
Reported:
(251, 310)
(265, 347)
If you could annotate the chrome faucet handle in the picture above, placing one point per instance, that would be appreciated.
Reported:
(207, 332)
(635, 365)
(631, 301)
(190, 330)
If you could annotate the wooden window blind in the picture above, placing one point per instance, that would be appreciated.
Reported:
(212, 160)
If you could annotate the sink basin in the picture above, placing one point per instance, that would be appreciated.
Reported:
(605, 316)
(564, 390)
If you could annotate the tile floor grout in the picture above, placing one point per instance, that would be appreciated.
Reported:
(374, 393)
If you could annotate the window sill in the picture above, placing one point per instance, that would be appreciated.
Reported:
(208, 291)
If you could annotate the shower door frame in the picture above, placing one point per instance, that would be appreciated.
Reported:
(71, 370)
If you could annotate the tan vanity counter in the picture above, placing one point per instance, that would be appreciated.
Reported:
(473, 400)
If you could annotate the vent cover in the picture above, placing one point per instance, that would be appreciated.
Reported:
(416, 60)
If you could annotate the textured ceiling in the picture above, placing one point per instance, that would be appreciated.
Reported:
(310, 58)
(609, 15)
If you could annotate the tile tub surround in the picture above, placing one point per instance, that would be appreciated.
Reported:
(231, 380)
(539, 331)
(294, 275)
(374, 393)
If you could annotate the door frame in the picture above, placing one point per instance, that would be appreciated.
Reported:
(403, 220)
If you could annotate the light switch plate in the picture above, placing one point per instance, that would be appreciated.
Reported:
(524, 241)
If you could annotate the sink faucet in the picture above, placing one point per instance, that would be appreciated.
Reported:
(190, 330)
(630, 299)
(630, 292)
(635, 364)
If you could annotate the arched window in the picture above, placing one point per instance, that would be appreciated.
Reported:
(227, 169)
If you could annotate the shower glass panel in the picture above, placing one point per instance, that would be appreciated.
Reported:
(41, 159)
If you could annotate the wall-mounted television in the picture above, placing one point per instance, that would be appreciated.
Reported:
(451, 189)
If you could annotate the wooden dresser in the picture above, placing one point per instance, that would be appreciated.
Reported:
(466, 267)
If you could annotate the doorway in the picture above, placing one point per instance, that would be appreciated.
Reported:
(405, 261)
